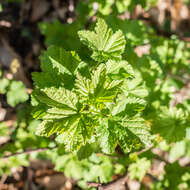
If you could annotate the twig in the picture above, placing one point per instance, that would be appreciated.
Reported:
(3, 179)
(184, 80)
(28, 152)
(144, 150)
(94, 184)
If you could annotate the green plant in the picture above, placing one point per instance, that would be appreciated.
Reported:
(104, 111)
(117, 120)
(88, 103)
(12, 87)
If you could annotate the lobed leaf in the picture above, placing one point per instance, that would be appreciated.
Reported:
(104, 44)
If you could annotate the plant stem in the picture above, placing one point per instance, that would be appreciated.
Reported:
(28, 152)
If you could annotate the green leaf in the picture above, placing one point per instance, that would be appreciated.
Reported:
(63, 96)
(85, 170)
(47, 128)
(17, 93)
(4, 130)
(62, 117)
(139, 169)
(57, 60)
(137, 126)
(175, 175)
(57, 97)
(106, 136)
(171, 124)
(178, 150)
(128, 106)
(104, 44)
(4, 83)
(135, 87)
(99, 88)
(43, 80)
(83, 85)
(86, 150)
(118, 70)
(58, 68)
(77, 133)
(61, 35)
(131, 134)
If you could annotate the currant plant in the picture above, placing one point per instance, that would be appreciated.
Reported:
(148, 85)
(84, 103)
(102, 109)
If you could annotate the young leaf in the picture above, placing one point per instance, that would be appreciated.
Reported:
(104, 44)
(128, 105)
(84, 112)
(118, 70)
(99, 88)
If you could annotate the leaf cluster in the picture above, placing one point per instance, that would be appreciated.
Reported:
(84, 103)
